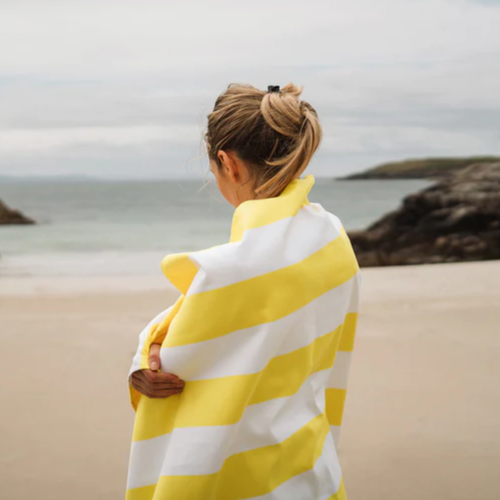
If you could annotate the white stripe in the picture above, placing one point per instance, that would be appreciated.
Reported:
(354, 302)
(339, 373)
(333, 218)
(265, 249)
(191, 451)
(319, 483)
(249, 350)
(146, 458)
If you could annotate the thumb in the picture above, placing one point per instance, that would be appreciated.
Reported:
(154, 357)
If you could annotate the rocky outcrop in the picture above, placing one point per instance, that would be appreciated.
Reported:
(453, 221)
(9, 216)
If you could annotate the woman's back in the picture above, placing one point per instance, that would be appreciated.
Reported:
(255, 338)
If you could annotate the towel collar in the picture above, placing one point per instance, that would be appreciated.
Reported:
(256, 213)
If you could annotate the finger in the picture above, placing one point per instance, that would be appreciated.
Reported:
(141, 384)
(141, 387)
(164, 394)
(154, 357)
(155, 380)
(154, 392)
(165, 387)
(158, 377)
(136, 376)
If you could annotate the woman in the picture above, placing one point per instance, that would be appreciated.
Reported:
(261, 338)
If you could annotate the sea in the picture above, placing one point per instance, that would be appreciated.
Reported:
(106, 228)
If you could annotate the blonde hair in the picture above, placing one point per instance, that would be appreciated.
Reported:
(274, 133)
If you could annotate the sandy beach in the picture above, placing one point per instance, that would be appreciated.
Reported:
(422, 417)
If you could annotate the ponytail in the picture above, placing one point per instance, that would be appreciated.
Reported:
(275, 133)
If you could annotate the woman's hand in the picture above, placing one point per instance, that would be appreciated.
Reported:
(154, 384)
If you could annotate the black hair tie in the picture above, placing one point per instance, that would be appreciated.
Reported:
(273, 88)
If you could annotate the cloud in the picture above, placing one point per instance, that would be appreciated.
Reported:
(50, 140)
(104, 86)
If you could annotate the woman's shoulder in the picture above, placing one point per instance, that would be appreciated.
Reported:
(263, 250)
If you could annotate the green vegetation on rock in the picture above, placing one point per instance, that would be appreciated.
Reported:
(428, 168)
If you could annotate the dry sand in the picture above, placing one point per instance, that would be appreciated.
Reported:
(423, 410)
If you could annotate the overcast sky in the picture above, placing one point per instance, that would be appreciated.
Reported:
(122, 89)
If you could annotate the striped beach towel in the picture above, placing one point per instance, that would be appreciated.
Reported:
(262, 335)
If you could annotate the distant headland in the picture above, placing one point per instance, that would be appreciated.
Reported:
(426, 168)
(8, 216)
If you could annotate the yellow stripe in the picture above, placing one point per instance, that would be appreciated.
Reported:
(257, 213)
(317, 356)
(251, 473)
(222, 401)
(159, 332)
(144, 493)
(180, 270)
(293, 287)
(348, 332)
(340, 495)
(335, 400)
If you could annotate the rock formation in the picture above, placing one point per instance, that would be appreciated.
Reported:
(455, 220)
(9, 216)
